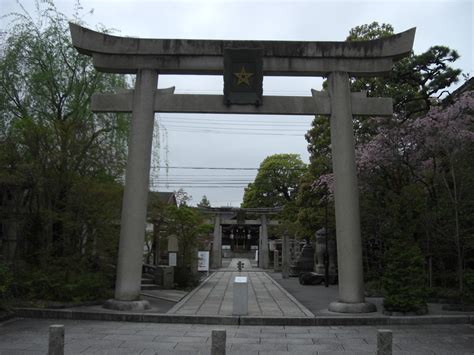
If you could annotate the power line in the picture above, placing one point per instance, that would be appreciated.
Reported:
(166, 182)
(198, 179)
(199, 121)
(216, 168)
(209, 175)
(232, 133)
(236, 186)
(173, 125)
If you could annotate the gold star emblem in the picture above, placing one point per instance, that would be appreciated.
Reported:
(243, 77)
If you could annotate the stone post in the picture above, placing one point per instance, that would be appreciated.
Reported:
(263, 248)
(285, 255)
(217, 243)
(276, 260)
(56, 340)
(240, 298)
(320, 250)
(384, 342)
(297, 247)
(346, 195)
(135, 197)
(332, 255)
(218, 342)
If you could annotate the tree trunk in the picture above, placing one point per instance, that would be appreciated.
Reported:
(156, 243)
(459, 248)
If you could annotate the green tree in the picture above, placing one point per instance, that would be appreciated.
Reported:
(188, 225)
(312, 197)
(276, 182)
(64, 162)
(403, 278)
(276, 185)
(204, 202)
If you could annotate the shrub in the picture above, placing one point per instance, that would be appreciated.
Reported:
(403, 280)
(6, 279)
(185, 278)
(64, 283)
(469, 286)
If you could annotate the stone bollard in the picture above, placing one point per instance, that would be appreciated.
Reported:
(56, 340)
(218, 340)
(240, 301)
(384, 342)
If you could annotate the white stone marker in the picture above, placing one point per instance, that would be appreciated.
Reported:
(241, 299)
(56, 340)
(218, 339)
(384, 342)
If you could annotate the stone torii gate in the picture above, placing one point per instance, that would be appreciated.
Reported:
(262, 221)
(147, 58)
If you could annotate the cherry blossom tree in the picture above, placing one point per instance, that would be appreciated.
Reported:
(433, 151)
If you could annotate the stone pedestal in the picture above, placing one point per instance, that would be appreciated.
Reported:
(165, 276)
(132, 232)
(138, 305)
(320, 251)
(240, 296)
(346, 196)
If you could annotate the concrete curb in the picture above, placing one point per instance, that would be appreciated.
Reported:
(247, 320)
(125, 316)
(146, 294)
(6, 316)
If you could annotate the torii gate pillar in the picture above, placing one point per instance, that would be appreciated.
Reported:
(346, 198)
(135, 197)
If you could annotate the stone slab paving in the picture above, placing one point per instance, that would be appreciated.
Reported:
(30, 336)
(215, 297)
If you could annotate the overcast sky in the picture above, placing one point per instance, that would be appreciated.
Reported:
(242, 141)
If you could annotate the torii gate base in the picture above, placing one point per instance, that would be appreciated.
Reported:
(335, 60)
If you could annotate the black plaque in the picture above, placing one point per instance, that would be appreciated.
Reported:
(243, 76)
(240, 217)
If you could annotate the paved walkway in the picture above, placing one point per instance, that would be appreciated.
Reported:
(30, 336)
(215, 295)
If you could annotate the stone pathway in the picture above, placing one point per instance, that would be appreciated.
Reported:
(215, 296)
(30, 336)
